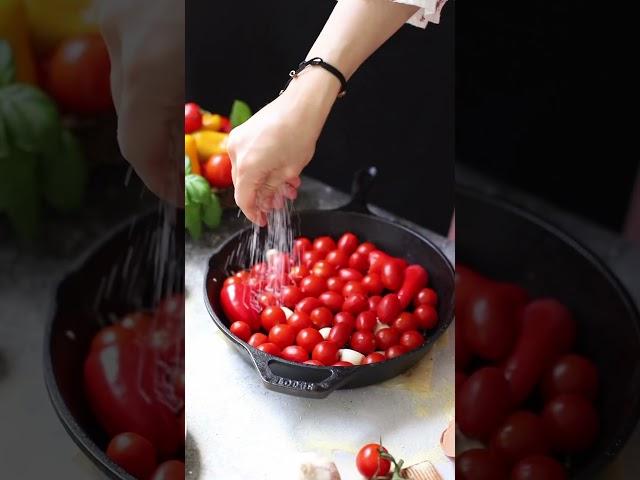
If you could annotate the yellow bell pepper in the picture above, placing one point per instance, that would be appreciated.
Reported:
(210, 143)
(211, 121)
(191, 151)
(14, 29)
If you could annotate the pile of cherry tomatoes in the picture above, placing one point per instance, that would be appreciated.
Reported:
(331, 303)
(134, 383)
(520, 389)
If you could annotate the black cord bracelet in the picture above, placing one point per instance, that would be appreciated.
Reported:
(320, 63)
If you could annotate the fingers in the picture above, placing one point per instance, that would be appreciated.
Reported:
(246, 192)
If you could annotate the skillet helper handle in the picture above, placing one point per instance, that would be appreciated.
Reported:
(363, 180)
(335, 377)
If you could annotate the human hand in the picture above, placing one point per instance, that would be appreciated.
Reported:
(269, 151)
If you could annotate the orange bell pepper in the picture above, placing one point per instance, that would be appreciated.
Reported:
(191, 151)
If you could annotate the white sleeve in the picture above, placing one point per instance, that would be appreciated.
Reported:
(429, 11)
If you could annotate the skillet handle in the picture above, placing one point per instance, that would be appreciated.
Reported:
(363, 180)
(329, 378)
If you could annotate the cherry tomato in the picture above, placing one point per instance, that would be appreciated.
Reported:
(346, 318)
(324, 245)
(308, 304)
(369, 463)
(395, 351)
(259, 270)
(282, 335)
(323, 269)
(310, 257)
(352, 288)
(231, 281)
(389, 308)
(373, 302)
(522, 434)
(426, 296)
(392, 276)
(366, 320)
(169, 470)
(411, 339)
(355, 304)
(387, 338)
(348, 243)
(340, 334)
(405, 322)
(133, 453)
(313, 285)
(257, 339)
(299, 320)
(301, 245)
(298, 272)
(291, 295)
(217, 171)
(481, 464)
(325, 352)
(270, 348)
(267, 299)
(321, 317)
(192, 118)
(571, 374)
(374, 357)
(460, 379)
(241, 329)
(571, 422)
(482, 403)
(350, 275)
(78, 75)
(359, 262)
(335, 284)
(342, 363)
(426, 316)
(373, 284)
(365, 248)
(110, 335)
(378, 259)
(415, 278)
(539, 467)
(338, 258)
(313, 362)
(138, 323)
(332, 300)
(272, 316)
(308, 338)
(363, 342)
(295, 353)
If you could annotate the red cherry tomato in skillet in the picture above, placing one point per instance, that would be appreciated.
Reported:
(282, 335)
(338, 258)
(374, 357)
(373, 284)
(392, 276)
(299, 320)
(571, 374)
(324, 245)
(350, 274)
(323, 269)
(355, 304)
(308, 304)
(353, 287)
(240, 329)
(571, 422)
(291, 295)
(346, 318)
(335, 284)
(366, 321)
(340, 334)
(365, 248)
(133, 453)
(426, 296)
(313, 285)
(271, 316)
(270, 348)
(395, 351)
(332, 300)
(295, 353)
(522, 434)
(267, 299)
(325, 352)
(411, 339)
(258, 339)
(373, 302)
(387, 338)
(313, 362)
(369, 463)
(321, 317)
(342, 363)
(539, 467)
(310, 257)
(301, 245)
(110, 335)
(363, 342)
(481, 464)
(308, 338)
(389, 308)
(348, 243)
(359, 262)
(426, 316)
(298, 272)
(405, 322)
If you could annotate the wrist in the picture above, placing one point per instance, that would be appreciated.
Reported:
(313, 92)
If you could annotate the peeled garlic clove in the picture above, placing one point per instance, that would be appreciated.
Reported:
(271, 253)
(287, 312)
(380, 326)
(448, 440)
(316, 467)
(348, 355)
(325, 332)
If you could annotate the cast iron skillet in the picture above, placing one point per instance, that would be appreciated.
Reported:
(318, 382)
(116, 276)
(511, 244)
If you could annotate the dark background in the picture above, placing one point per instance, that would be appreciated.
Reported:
(398, 113)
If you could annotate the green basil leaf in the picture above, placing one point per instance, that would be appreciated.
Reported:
(212, 213)
(193, 220)
(197, 189)
(31, 117)
(19, 198)
(240, 113)
(64, 173)
(7, 65)
(187, 166)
